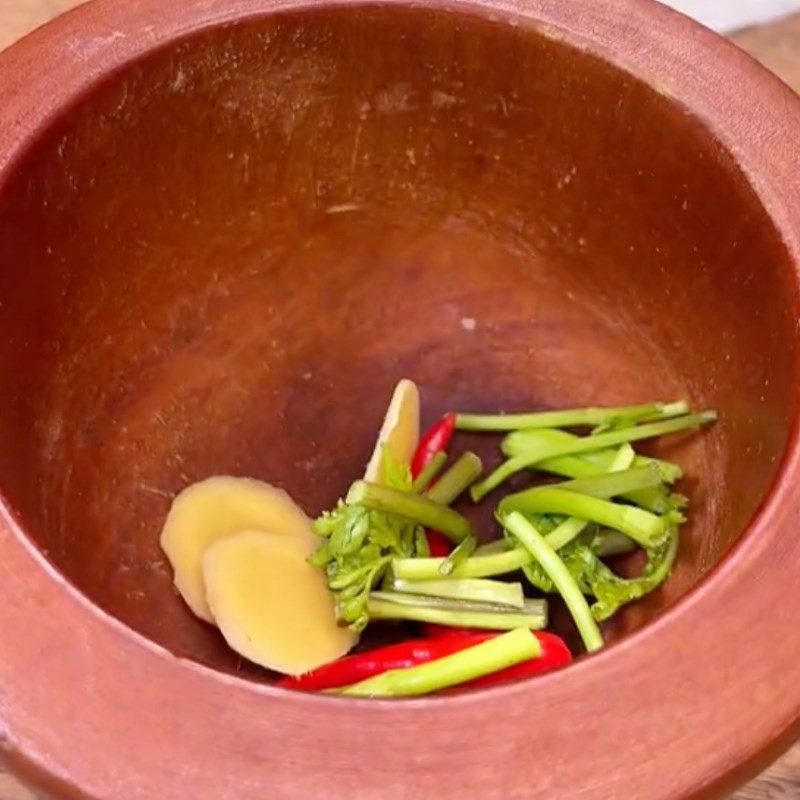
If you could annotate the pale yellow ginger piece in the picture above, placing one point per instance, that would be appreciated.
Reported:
(271, 605)
(218, 507)
(399, 432)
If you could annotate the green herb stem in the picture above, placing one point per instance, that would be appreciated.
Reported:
(474, 589)
(544, 554)
(580, 465)
(590, 464)
(499, 561)
(459, 555)
(535, 454)
(642, 526)
(429, 472)
(456, 614)
(569, 418)
(623, 459)
(614, 484)
(473, 662)
(525, 442)
(422, 569)
(510, 558)
(586, 465)
(612, 543)
(493, 548)
(417, 508)
(566, 532)
(594, 479)
(457, 479)
(668, 410)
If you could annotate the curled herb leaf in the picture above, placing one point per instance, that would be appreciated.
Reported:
(359, 544)
(583, 559)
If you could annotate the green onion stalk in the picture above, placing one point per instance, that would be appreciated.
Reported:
(466, 665)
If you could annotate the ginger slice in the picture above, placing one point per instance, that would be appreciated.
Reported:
(218, 507)
(399, 432)
(271, 605)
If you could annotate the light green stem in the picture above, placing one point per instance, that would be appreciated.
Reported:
(459, 555)
(599, 442)
(569, 418)
(642, 526)
(588, 465)
(624, 459)
(456, 614)
(613, 484)
(568, 530)
(472, 589)
(422, 569)
(429, 472)
(457, 479)
(509, 559)
(493, 548)
(581, 465)
(612, 543)
(655, 499)
(502, 562)
(535, 543)
(419, 509)
(474, 662)
(572, 527)
(524, 442)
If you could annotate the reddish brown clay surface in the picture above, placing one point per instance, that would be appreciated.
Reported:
(223, 244)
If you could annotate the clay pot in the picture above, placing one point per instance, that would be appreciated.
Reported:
(230, 226)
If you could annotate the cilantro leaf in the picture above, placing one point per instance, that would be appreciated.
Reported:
(359, 544)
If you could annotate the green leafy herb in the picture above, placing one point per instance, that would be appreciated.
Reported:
(582, 558)
(558, 572)
(360, 543)
(610, 590)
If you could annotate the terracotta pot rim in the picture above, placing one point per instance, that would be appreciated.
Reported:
(761, 141)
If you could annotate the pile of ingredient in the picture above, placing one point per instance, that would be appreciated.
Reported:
(395, 550)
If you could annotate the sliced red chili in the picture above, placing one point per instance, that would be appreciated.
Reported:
(436, 439)
(359, 667)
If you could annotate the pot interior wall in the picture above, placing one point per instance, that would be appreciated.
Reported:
(221, 259)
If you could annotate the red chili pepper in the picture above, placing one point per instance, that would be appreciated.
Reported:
(359, 667)
(436, 439)
(439, 545)
(434, 631)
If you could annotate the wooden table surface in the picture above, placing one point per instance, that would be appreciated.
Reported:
(776, 45)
